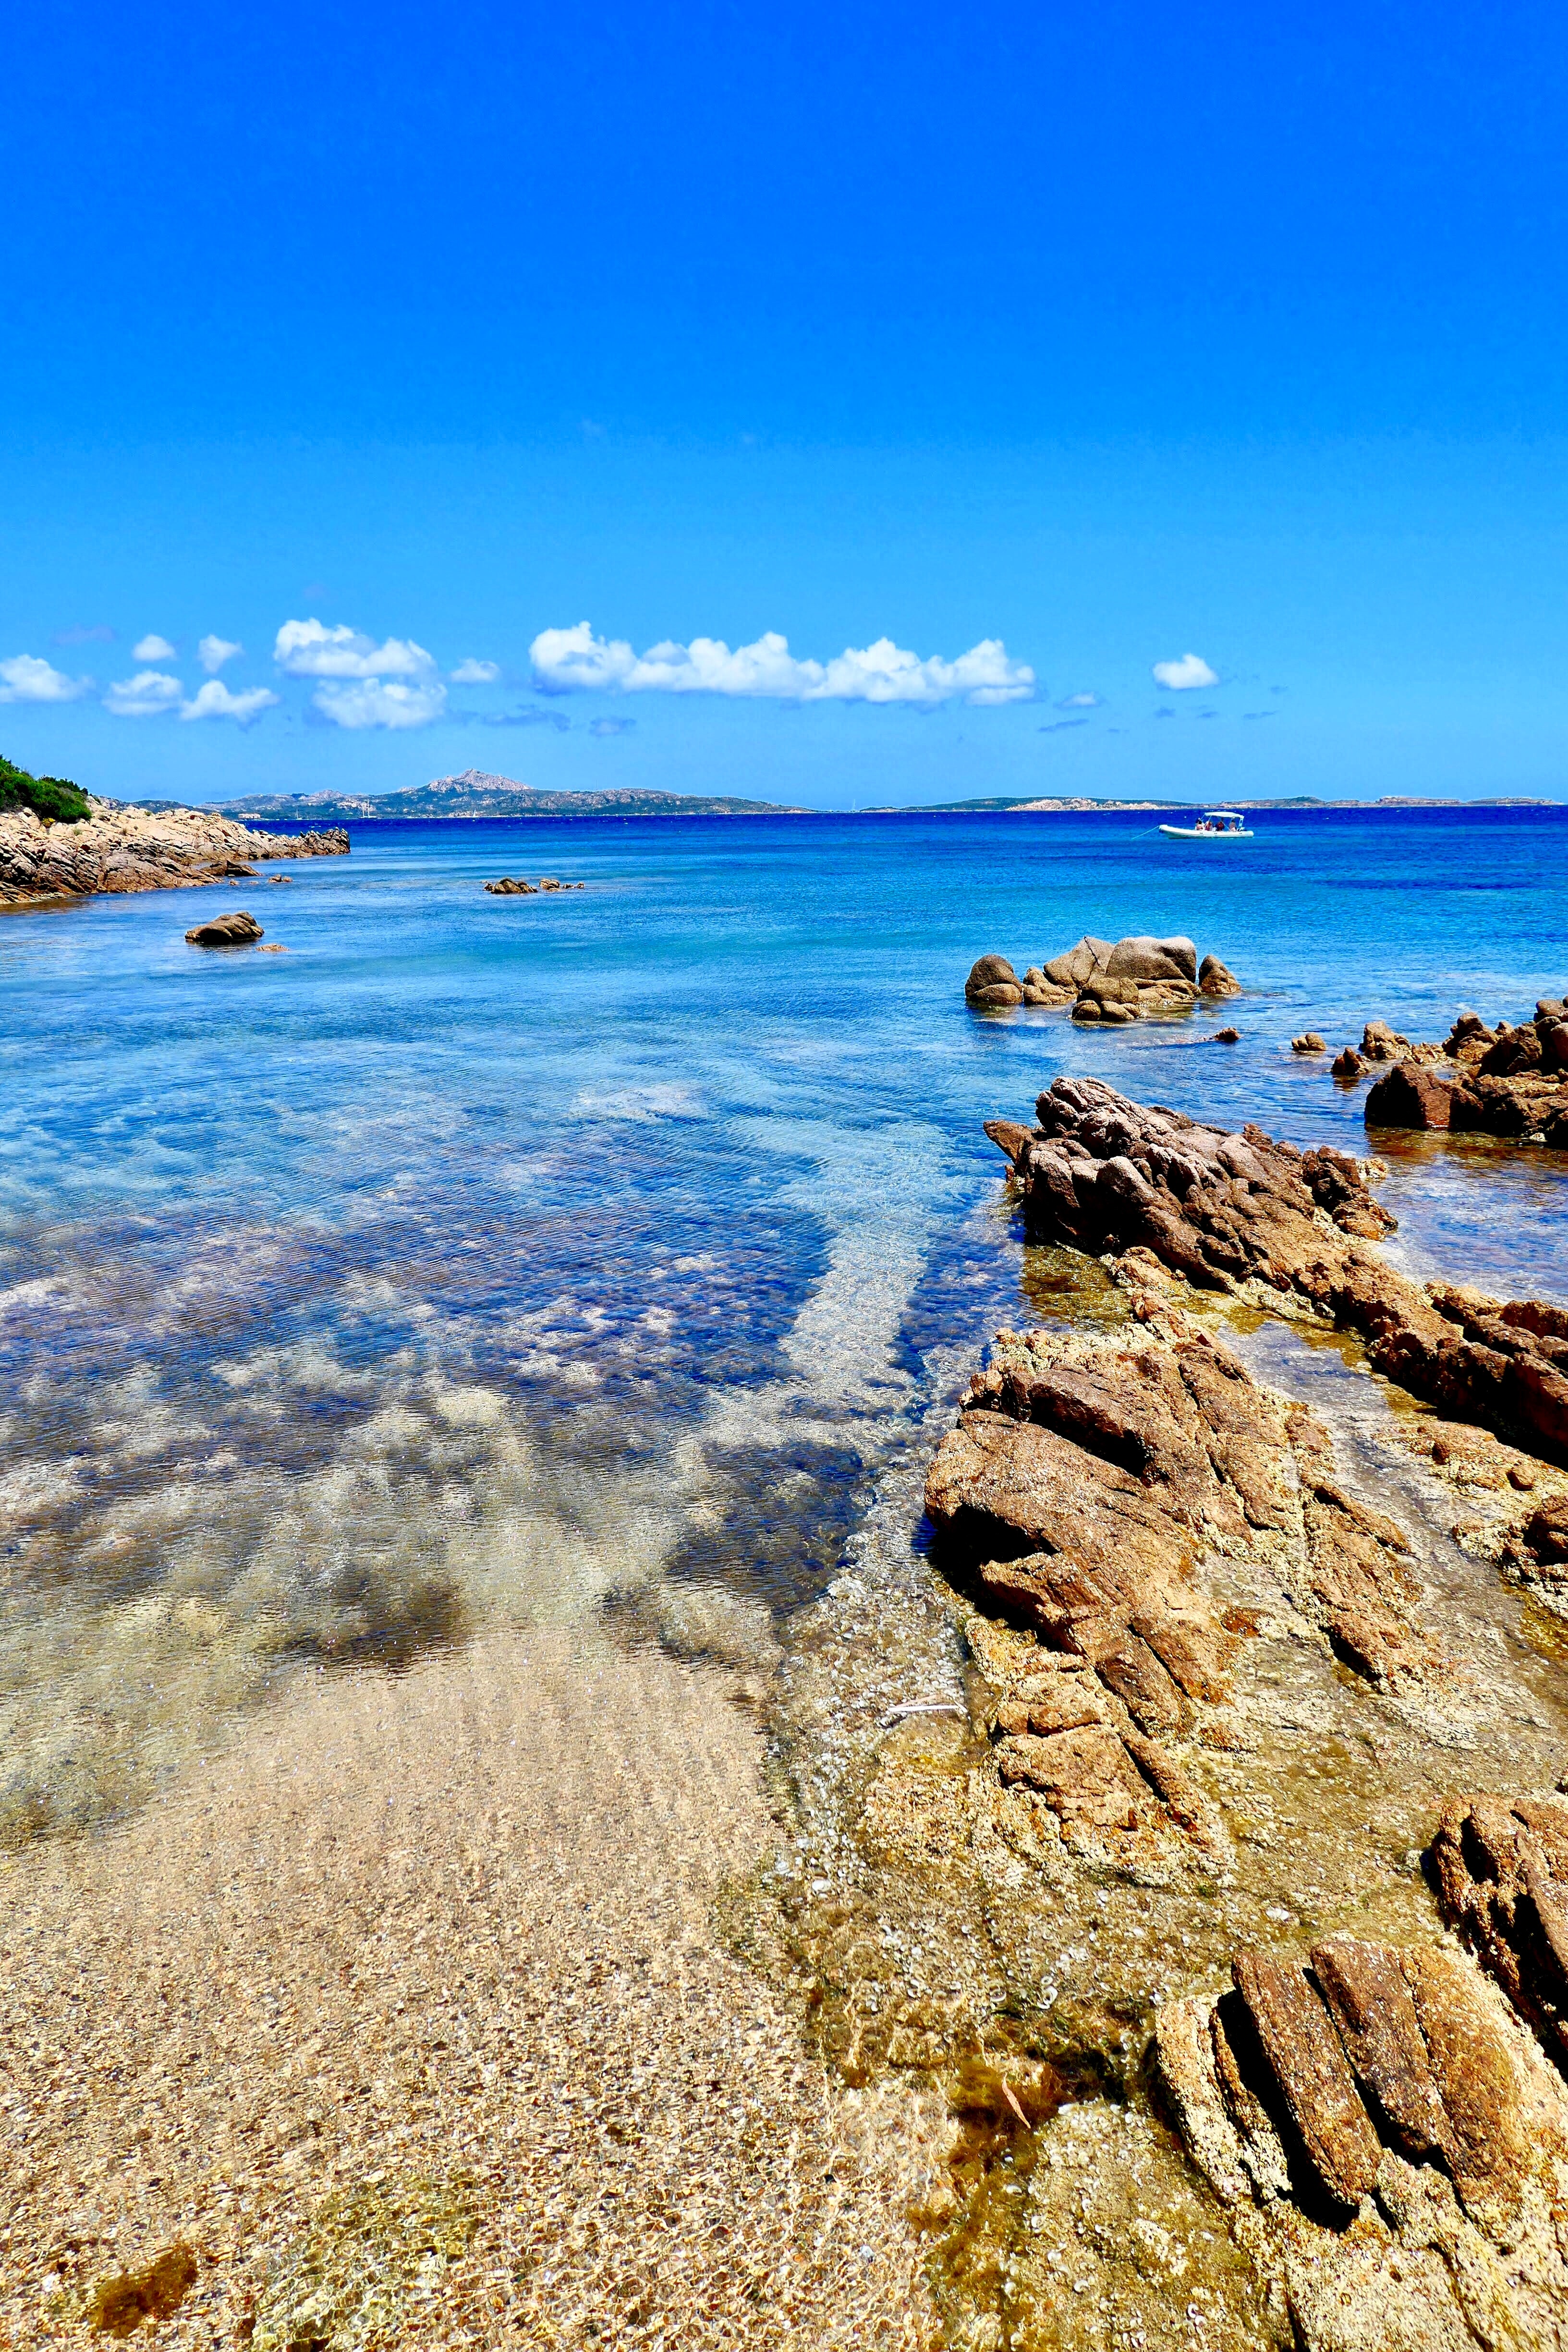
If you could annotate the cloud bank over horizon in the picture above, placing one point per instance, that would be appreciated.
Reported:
(575, 661)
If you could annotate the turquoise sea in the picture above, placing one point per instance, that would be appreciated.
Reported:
(527, 1255)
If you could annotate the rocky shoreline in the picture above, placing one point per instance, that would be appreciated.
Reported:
(117, 850)
(1216, 1687)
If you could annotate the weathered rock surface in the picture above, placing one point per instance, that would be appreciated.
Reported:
(124, 849)
(993, 985)
(1501, 1871)
(1114, 981)
(1308, 1042)
(236, 930)
(1391, 2144)
(1509, 1082)
(1223, 1210)
(511, 885)
(1085, 1478)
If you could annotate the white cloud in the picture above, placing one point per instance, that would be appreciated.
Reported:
(214, 651)
(214, 700)
(1190, 670)
(569, 660)
(310, 649)
(144, 696)
(476, 673)
(1078, 702)
(154, 648)
(370, 703)
(26, 679)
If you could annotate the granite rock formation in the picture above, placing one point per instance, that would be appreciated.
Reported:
(1231, 1211)
(236, 930)
(1110, 980)
(1506, 1081)
(124, 849)
(1390, 2141)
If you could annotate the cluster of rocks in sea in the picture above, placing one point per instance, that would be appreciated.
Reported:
(1114, 982)
(513, 886)
(1226, 1210)
(115, 850)
(1180, 1609)
(1506, 1081)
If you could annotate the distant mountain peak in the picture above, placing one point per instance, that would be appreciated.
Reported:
(477, 779)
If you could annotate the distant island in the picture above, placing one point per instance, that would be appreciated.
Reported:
(1070, 804)
(476, 793)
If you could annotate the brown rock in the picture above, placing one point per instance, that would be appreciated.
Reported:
(1310, 2065)
(1147, 959)
(1107, 1174)
(1078, 964)
(1227, 1036)
(1379, 1042)
(1308, 1042)
(1475, 2077)
(1369, 1999)
(236, 930)
(1349, 1064)
(1215, 980)
(990, 971)
(1410, 1096)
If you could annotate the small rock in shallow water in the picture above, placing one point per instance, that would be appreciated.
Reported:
(236, 930)
(1308, 1042)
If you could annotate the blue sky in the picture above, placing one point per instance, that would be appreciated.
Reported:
(1089, 340)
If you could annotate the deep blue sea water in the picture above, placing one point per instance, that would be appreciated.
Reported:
(487, 1252)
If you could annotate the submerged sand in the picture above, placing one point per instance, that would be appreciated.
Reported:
(412, 2017)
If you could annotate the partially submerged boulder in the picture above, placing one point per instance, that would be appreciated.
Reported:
(236, 930)
(993, 985)
(1308, 1042)
(1114, 982)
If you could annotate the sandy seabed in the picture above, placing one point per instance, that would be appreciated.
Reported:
(410, 2016)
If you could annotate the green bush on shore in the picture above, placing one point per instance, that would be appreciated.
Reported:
(49, 797)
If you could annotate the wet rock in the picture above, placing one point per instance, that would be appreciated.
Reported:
(1104, 1172)
(1082, 1477)
(1348, 1063)
(1545, 1533)
(1227, 1036)
(1507, 1082)
(1501, 1873)
(1379, 1042)
(1215, 979)
(1384, 2086)
(1107, 998)
(1308, 1042)
(1308, 2066)
(993, 985)
(1411, 1096)
(511, 885)
(236, 930)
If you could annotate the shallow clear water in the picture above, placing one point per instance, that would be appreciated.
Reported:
(534, 1255)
